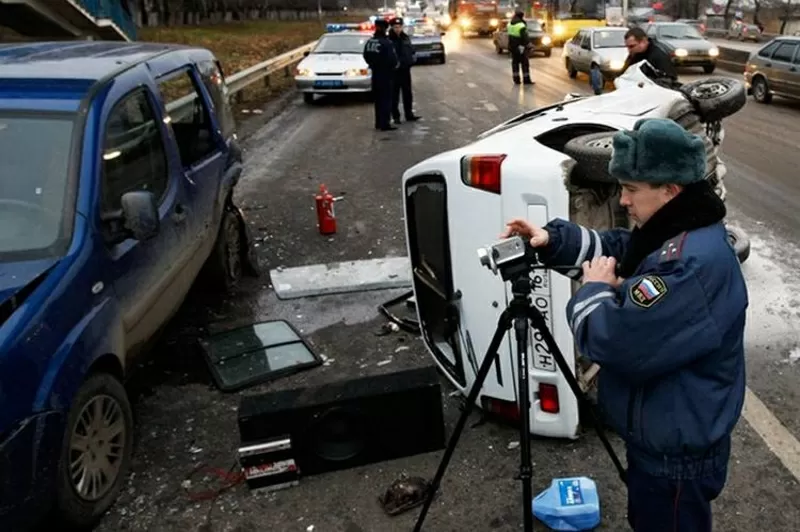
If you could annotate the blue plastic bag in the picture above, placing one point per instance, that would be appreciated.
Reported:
(569, 505)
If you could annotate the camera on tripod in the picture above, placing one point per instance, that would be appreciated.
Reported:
(509, 257)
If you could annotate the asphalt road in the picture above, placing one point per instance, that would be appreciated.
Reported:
(184, 422)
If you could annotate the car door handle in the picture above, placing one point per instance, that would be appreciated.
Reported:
(179, 213)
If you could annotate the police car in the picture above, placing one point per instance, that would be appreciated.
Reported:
(426, 40)
(336, 64)
(547, 163)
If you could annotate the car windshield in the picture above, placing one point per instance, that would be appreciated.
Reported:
(34, 171)
(352, 43)
(609, 39)
(533, 25)
(678, 31)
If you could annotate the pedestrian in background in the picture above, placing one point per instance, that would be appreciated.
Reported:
(518, 42)
(402, 79)
(665, 325)
(380, 56)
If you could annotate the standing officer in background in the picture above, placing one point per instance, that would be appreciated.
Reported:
(666, 327)
(518, 47)
(380, 56)
(402, 78)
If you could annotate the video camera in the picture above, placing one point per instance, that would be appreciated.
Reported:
(510, 257)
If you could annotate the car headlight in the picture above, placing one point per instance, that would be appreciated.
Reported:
(546, 39)
(446, 20)
(437, 46)
(681, 52)
(616, 64)
(304, 72)
(465, 23)
(493, 22)
(560, 30)
(714, 52)
(353, 72)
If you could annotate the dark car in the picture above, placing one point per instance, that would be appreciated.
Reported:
(427, 42)
(540, 42)
(685, 45)
(117, 168)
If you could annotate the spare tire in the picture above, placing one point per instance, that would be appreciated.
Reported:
(716, 97)
(592, 152)
(740, 242)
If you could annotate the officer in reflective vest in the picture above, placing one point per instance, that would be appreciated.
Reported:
(518, 48)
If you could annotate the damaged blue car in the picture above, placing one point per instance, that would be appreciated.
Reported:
(118, 163)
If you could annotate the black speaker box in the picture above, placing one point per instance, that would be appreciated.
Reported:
(350, 423)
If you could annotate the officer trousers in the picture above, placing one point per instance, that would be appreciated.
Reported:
(402, 83)
(657, 504)
(520, 60)
(382, 98)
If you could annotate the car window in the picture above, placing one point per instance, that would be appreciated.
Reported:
(133, 152)
(785, 52)
(768, 49)
(678, 31)
(576, 40)
(651, 30)
(214, 82)
(188, 117)
(609, 39)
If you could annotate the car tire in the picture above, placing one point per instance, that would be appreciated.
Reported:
(760, 90)
(443, 60)
(74, 509)
(715, 98)
(573, 73)
(592, 152)
(740, 242)
(308, 97)
(498, 50)
(548, 53)
(227, 262)
(709, 69)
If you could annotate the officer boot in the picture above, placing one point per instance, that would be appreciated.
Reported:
(527, 80)
(516, 79)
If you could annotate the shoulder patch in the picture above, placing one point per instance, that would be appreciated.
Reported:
(672, 248)
(648, 291)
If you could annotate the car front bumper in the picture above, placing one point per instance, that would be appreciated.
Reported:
(694, 61)
(333, 84)
(427, 55)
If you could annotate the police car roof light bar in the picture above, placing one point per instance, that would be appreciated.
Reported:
(333, 27)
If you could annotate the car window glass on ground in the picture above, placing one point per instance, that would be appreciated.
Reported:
(188, 117)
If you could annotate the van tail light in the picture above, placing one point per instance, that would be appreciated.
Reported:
(482, 171)
(548, 398)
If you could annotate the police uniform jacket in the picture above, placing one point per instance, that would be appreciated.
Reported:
(403, 49)
(669, 340)
(517, 33)
(656, 56)
(379, 54)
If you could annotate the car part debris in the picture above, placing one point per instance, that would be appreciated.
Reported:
(404, 494)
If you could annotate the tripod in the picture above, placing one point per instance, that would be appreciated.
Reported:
(519, 313)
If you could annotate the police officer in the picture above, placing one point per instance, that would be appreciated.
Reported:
(518, 47)
(402, 79)
(661, 310)
(380, 56)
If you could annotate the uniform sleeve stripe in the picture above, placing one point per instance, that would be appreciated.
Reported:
(598, 244)
(576, 323)
(585, 241)
(589, 300)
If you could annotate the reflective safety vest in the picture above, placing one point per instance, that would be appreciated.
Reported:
(515, 30)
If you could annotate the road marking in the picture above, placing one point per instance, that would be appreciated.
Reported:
(459, 71)
(471, 85)
(779, 440)
(444, 119)
(490, 107)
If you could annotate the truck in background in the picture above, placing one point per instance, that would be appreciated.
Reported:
(475, 16)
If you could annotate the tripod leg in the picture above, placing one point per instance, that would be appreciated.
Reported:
(525, 469)
(539, 323)
(503, 325)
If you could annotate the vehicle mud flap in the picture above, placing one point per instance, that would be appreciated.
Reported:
(740, 242)
(716, 97)
(250, 263)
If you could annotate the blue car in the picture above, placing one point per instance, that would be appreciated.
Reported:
(117, 167)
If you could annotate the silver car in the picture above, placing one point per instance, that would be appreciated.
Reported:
(684, 44)
(335, 65)
(600, 48)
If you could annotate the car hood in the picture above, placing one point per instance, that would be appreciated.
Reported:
(688, 44)
(14, 276)
(612, 54)
(332, 63)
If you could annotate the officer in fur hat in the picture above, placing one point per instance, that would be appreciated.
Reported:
(662, 311)
(382, 60)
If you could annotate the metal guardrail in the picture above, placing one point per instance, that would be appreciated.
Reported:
(237, 82)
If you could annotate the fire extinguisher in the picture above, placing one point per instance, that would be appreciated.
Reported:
(326, 217)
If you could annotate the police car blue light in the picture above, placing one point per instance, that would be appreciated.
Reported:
(334, 27)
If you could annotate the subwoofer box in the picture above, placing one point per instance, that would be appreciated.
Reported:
(352, 422)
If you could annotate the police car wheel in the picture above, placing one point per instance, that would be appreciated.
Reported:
(740, 243)
(715, 98)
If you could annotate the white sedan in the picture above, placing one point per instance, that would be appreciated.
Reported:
(336, 64)
(547, 163)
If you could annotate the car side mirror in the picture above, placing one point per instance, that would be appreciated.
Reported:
(137, 218)
(306, 53)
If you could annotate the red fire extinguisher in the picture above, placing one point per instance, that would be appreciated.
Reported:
(326, 217)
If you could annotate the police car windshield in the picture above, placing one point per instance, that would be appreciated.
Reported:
(609, 39)
(341, 44)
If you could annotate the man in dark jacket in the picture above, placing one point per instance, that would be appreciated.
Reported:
(518, 48)
(641, 48)
(382, 60)
(402, 76)
(666, 325)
